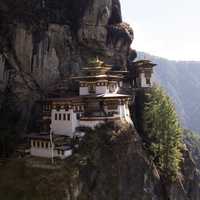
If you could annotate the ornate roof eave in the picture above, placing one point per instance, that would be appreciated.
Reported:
(144, 64)
(98, 77)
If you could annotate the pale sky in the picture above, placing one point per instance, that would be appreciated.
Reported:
(165, 28)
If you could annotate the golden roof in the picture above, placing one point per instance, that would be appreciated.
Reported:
(96, 67)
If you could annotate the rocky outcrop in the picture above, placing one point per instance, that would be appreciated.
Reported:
(109, 164)
(117, 167)
(43, 41)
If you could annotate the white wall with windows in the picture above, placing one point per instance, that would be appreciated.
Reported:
(40, 148)
(64, 122)
(145, 81)
(43, 149)
(103, 87)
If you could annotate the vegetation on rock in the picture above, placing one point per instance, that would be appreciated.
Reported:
(109, 164)
(192, 141)
(163, 129)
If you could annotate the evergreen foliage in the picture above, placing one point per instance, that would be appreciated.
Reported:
(162, 127)
(192, 141)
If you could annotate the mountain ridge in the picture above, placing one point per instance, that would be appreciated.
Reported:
(180, 80)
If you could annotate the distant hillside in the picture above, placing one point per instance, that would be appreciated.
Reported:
(181, 79)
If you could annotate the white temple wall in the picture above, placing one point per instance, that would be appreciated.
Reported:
(117, 89)
(47, 153)
(121, 110)
(91, 124)
(64, 127)
(125, 113)
(143, 80)
(83, 91)
(41, 152)
(101, 89)
(66, 154)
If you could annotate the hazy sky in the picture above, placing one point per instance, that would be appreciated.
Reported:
(166, 28)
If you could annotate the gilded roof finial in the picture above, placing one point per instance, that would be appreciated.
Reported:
(95, 62)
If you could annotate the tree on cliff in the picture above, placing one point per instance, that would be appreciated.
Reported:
(163, 129)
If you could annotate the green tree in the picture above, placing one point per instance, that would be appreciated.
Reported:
(163, 129)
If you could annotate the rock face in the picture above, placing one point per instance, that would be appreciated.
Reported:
(129, 174)
(59, 44)
(110, 164)
(43, 41)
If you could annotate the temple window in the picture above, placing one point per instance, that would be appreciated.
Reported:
(66, 107)
(148, 81)
(60, 117)
(112, 87)
(33, 143)
(56, 116)
(78, 116)
(92, 88)
(42, 144)
(64, 116)
(38, 144)
(68, 117)
(47, 145)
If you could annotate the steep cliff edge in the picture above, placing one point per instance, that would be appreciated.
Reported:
(109, 164)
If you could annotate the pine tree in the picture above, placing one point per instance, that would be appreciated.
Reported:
(162, 127)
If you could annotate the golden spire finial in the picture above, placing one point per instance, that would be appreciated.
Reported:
(95, 62)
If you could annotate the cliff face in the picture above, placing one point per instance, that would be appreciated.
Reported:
(42, 41)
(109, 164)
(50, 40)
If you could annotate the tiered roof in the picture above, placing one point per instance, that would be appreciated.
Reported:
(97, 69)
(144, 64)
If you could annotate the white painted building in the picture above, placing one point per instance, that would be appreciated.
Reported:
(143, 74)
(64, 122)
(98, 102)
(41, 146)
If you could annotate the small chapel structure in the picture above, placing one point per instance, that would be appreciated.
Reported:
(100, 100)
